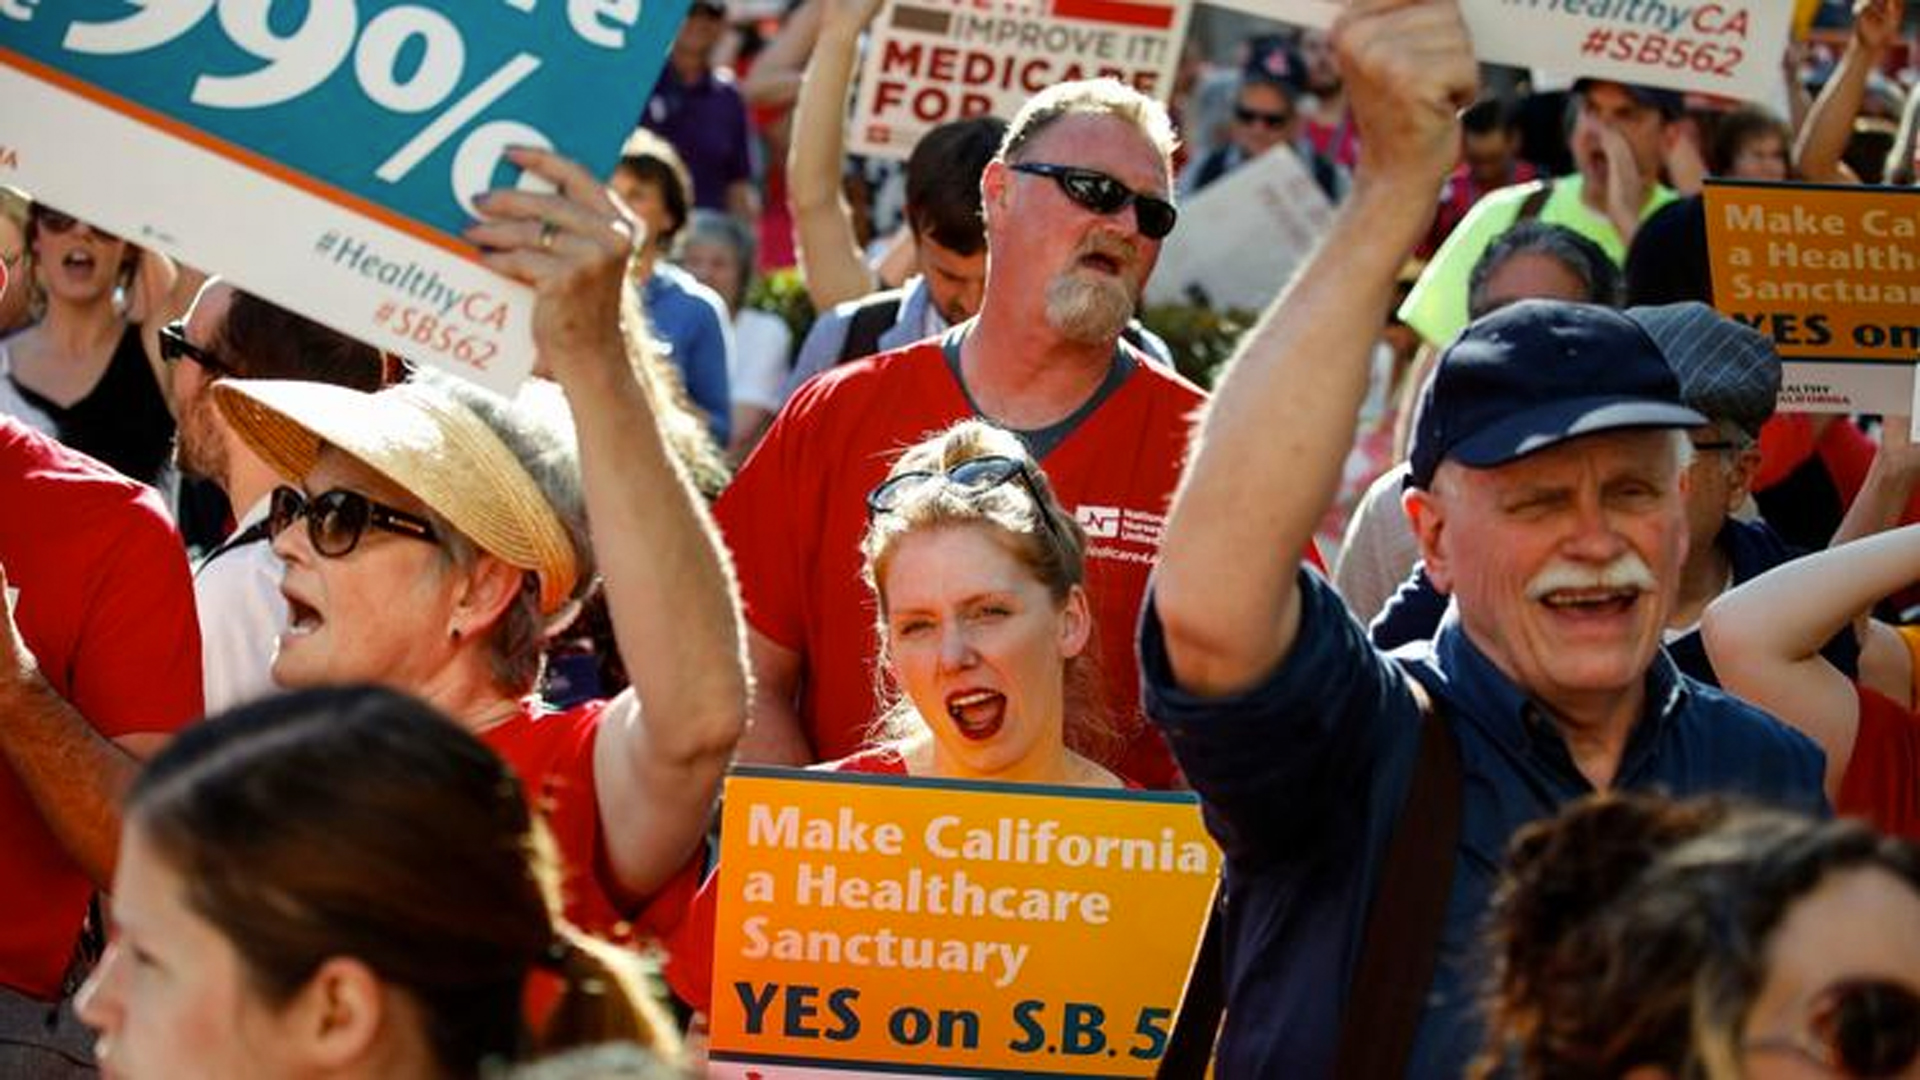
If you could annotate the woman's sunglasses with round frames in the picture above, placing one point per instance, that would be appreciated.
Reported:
(974, 476)
(1104, 195)
(337, 519)
(1862, 1029)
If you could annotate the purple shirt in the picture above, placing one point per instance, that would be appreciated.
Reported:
(706, 120)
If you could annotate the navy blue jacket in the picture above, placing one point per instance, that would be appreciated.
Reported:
(1302, 777)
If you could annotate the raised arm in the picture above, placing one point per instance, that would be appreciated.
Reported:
(830, 258)
(1829, 127)
(664, 743)
(774, 78)
(1268, 456)
(1764, 637)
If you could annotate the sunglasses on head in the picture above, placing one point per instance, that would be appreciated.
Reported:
(56, 223)
(1102, 194)
(174, 347)
(1862, 1029)
(974, 476)
(337, 519)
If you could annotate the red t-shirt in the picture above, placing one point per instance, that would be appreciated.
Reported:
(795, 515)
(1882, 782)
(553, 754)
(106, 606)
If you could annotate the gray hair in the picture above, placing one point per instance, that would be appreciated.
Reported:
(1099, 97)
(537, 428)
(715, 227)
(1599, 277)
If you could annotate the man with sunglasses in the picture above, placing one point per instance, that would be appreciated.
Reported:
(1076, 204)
(1266, 114)
(1546, 490)
(98, 665)
(229, 334)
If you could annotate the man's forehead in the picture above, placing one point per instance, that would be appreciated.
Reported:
(1623, 451)
(1094, 140)
(209, 310)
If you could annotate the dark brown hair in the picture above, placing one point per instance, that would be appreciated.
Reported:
(359, 822)
(260, 340)
(1632, 931)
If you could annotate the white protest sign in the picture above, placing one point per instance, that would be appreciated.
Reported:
(1730, 48)
(1241, 237)
(931, 61)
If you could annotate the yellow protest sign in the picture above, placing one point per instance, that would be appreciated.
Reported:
(868, 924)
(1832, 274)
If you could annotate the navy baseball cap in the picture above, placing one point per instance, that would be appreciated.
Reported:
(1535, 374)
(1669, 103)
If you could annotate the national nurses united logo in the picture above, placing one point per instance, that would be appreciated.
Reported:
(1099, 522)
(1120, 532)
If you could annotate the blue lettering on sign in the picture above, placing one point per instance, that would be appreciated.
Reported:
(409, 105)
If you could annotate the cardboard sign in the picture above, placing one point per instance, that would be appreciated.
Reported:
(325, 155)
(877, 925)
(1729, 48)
(1833, 275)
(1240, 239)
(931, 61)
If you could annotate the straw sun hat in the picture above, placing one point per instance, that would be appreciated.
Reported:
(423, 440)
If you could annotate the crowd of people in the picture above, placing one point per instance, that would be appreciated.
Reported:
(1550, 696)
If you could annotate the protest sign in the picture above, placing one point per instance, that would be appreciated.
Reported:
(1241, 237)
(325, 155)
(931, 61)
(1730, 48)
(1832, 274)
(875, 925)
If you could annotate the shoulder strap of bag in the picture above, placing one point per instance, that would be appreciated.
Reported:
(1536, 201)
(1402, 942)
(1409, 910)
(870, 320)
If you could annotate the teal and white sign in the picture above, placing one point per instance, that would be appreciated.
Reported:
(324, 153)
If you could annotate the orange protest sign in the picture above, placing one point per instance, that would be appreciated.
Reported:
(870, 923)
(1832, 274)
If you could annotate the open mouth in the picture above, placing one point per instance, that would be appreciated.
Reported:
(302, 618)
(80, 262)
(1106, 264)
(977, 714)
(1591, 602)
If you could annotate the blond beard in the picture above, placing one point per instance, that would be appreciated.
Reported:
(1089, 310)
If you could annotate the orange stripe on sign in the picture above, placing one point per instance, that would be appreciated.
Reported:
(1151, 16)
(238, 154)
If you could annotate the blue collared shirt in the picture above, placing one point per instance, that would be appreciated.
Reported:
(1302, 777)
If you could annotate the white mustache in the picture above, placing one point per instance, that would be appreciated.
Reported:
(1629, 571)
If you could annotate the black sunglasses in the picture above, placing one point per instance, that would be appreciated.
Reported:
(1255, 116)
(1861, 1029)
(174, 347)
(975, 476)
(1102, 194)
(337, 519)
